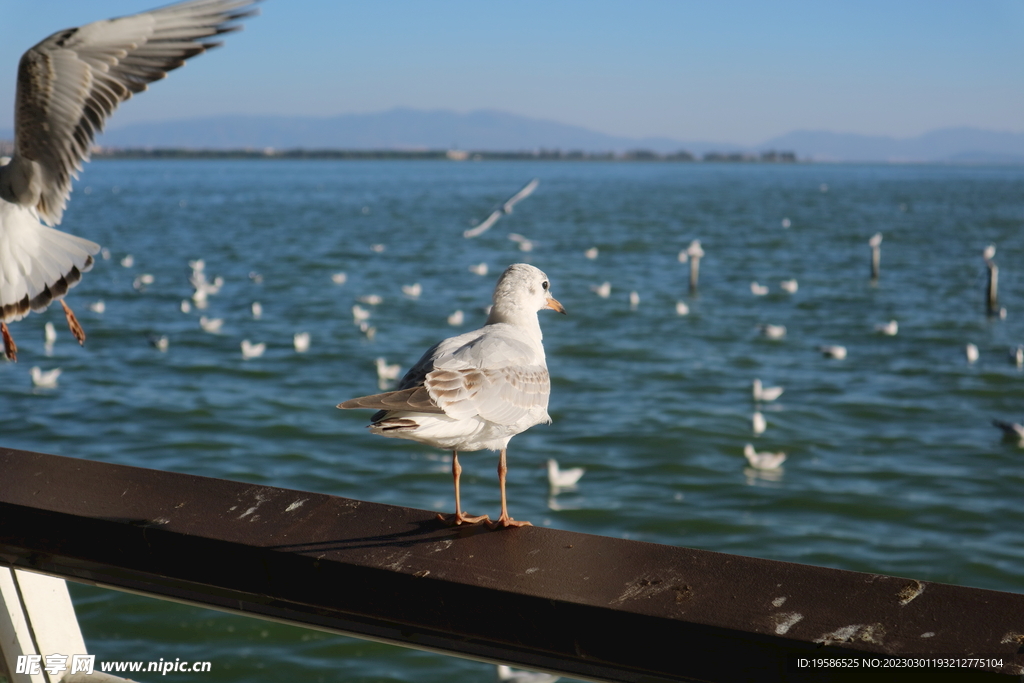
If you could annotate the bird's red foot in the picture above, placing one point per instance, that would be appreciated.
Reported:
(505, 521)
(73, 325)
(462, 518)
(10, 348)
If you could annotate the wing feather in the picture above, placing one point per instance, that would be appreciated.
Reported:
(69, 83)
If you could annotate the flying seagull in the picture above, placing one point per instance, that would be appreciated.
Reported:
(479, 389)
(504, 209)
(68, 85)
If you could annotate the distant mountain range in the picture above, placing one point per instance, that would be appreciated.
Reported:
(488, 130)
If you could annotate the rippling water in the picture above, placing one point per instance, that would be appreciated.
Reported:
(893, 465)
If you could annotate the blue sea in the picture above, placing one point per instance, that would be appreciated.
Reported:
(893, 464)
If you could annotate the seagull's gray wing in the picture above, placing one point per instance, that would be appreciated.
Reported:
(69, 83)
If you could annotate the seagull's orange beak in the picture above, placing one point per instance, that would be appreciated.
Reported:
(554, 305)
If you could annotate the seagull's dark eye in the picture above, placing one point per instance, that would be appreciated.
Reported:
(545, 285)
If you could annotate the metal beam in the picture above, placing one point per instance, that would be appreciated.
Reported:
(582, 605)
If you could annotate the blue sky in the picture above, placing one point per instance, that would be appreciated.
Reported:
(738, 71)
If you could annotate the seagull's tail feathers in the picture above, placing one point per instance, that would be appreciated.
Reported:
(38, 264)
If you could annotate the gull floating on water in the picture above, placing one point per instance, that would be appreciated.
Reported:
(359, 314)
(300, 340)
(789, 286)
(971, 351)
(889, 329)
(371, 299)
(477, 390)
(45, 380)
(378, 248)
(562, 479)
(763, 461)
(773, 331)
(591, 253)
(257, 310)
(1017, 356)
(186, 306)
(413, 291)
(128, 261)
(509, 675)
(143, 281)
(758, 290)
(682, 308)
(49, 333)
(98, 306)
(786, 222)
(603, 290)
(457, 318)
(339, 278)
(387, 372)
(763, 393)
(503, 210)
(250, 350)
(211, 325)
(160, 343)
(478, 269)
(833, 351)
(68, 84)
(634, 300)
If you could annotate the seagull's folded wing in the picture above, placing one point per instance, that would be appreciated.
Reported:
(415, 399)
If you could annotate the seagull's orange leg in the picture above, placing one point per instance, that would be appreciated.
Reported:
(73, 325)
(460, 517)
(10, 348)
(504, 520)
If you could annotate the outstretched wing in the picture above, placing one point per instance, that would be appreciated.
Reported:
(73, 80)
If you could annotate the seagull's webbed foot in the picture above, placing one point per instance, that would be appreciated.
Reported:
(73, 325)
(504, 522)
(10, 348)
(462, 518)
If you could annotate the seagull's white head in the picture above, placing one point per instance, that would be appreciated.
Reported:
(521, 292)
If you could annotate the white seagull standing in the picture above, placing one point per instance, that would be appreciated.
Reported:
(68, 85)
(479, 389)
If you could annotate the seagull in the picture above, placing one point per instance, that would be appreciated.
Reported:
(971, 351)
(378, 248)
(789, 286)
(359, 314)
(603, 290)
(143, 281)
(591, 253)
(682, 308)
(562, 479)
(786, 222)
(211, 325)
(479, 269)
(301, 342)
(68, 84)
(250, 350)
(763, 461)
(49, 334)
(257, 310)
(773, 331)
(186, 306)
(757, 423)
(98, 306)
(413, 291)
(875, 241)
(503, 210)
(457, 318)
(765, 394)
(1011, 430)
(634, 300)
(479, 389)
(46, 380)
(524, 243)
(889, 329)
(509, 675)
(989, 253)
(833, 351)
(387, 372)
(128, 261)
(758, 290)
(368, 330)
(339, 278)
(160, 343)
(1017, 356)
(371, 299)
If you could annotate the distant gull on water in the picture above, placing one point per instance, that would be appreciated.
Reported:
(477, 390)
